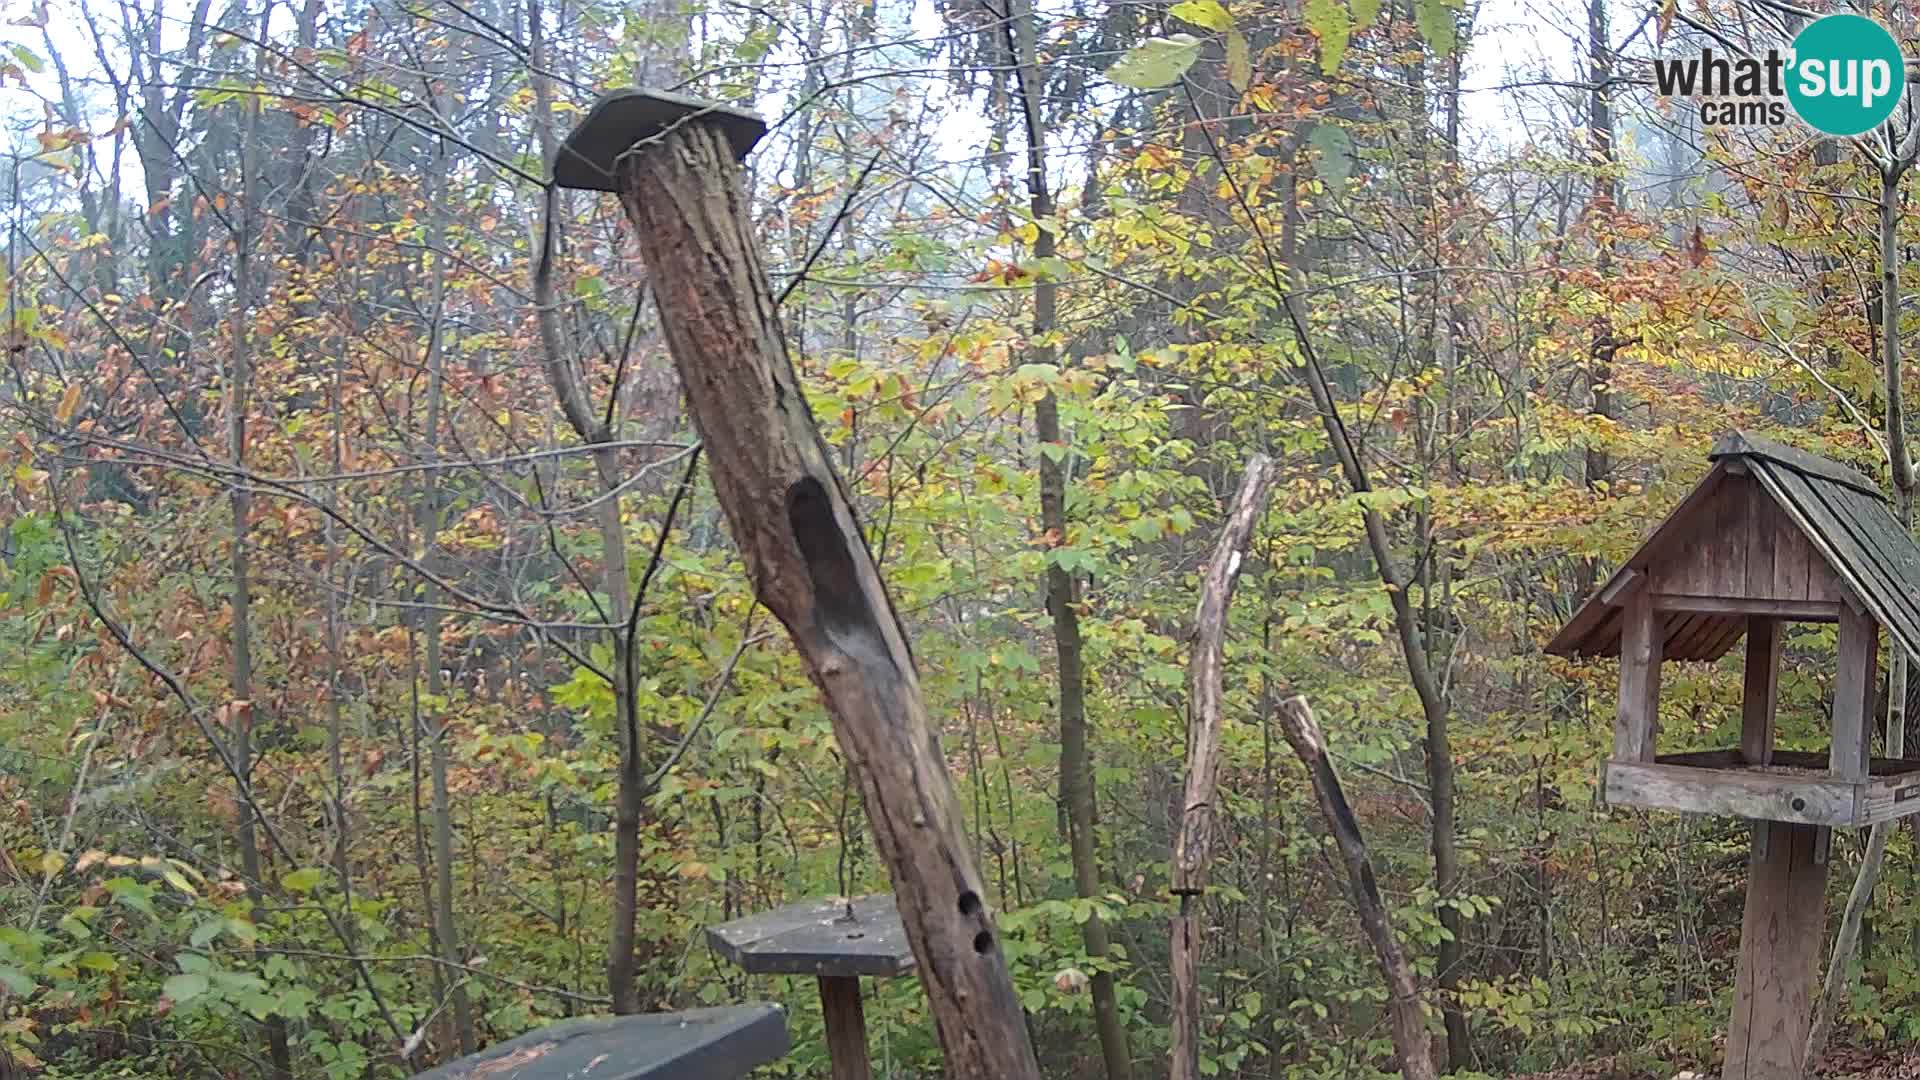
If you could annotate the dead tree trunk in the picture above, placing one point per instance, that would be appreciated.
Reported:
(811, 567)
(1403, 993)
(1193, 846)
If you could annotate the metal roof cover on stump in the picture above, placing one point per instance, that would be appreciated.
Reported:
(589, 159)
(1768, 522)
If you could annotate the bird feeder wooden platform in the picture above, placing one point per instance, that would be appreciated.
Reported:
(724, 1043)
(1772, 535)
(835, 940)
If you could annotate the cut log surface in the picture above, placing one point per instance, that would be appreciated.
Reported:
(810, 566)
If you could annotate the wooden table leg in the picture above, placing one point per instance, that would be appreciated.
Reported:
(846, 1027)
(1780, 939)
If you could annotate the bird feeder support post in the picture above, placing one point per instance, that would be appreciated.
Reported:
(846, 1019)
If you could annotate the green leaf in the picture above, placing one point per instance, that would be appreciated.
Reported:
(1436, 23)
(29, 59)
(305, 880)
(15, 980)
(1239, 64)
(184, 987)
(1156, 62)
(206, 932)
(1335, 148)
(1364, 12)
(1207, 13)
(1329, 21)
(98, 961)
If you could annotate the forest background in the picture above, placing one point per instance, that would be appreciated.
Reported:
(378, 680)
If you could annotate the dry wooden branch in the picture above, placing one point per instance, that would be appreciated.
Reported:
(1403, 993)
(811, 567)
(1193, 846)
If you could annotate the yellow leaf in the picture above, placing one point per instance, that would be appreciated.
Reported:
(69, 402)
(52, 863)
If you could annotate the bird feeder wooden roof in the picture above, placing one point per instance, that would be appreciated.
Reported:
(1770, 531)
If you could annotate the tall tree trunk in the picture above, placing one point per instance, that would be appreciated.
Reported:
(630, 794)
(1599, 466)
(1839, 966)
(447, 928)
(239, 380)
(1434, 324)
(1076, 758)
(1434, 704)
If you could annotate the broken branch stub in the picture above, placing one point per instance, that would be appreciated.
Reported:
(810, 566)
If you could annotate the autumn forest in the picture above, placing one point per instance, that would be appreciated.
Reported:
(1232, 393)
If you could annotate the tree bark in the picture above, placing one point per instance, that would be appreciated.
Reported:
(811, 567)
(1193, 846)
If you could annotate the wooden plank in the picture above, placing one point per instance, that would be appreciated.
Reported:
(1811, 800)
(1732, 631)
(1853, 531)
(1793, 557)
(1616, 590)
(1706, 630)
(1887, 542)
(846, 1022)
(1675, 628)
(1760, 691)
(1728, 537)
(1762, 529)
(1706, 556)
(817, 937)
(1637, 713)
(1705, 759)
(1885, 798)
(1855, 676)
(1781, 933)
(1790, 610)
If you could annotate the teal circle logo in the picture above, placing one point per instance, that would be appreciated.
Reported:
(1846, 74)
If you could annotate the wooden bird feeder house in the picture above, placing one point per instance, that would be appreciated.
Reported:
(1771, 536)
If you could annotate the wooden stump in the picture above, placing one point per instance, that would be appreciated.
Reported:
(1780, 939)
(808, 557)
